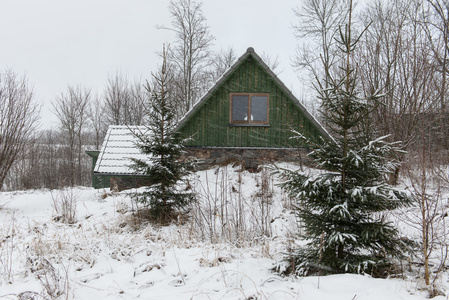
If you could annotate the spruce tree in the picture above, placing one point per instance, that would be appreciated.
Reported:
(164, 169)
(341, 207)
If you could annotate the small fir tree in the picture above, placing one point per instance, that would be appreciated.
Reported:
(164, 169)
(341, 208)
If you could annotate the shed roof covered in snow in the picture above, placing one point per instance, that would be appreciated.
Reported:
(118, 148)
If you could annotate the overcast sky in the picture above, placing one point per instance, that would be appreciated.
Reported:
(69, 42)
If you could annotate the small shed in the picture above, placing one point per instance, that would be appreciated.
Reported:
(111, 164)
(247, 116)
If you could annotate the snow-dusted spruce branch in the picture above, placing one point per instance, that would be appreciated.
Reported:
(341, 208)
(164, 171)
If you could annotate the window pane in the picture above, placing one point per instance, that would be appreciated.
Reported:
(239, 108)
(259, 108)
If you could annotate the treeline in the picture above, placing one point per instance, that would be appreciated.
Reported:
(56, 158)
(45, 162)
(403, 53)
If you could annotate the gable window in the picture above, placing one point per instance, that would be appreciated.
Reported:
(249, 109)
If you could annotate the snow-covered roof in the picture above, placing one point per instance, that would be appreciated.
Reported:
(118, 148)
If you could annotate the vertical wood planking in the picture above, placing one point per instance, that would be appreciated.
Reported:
(211, 121)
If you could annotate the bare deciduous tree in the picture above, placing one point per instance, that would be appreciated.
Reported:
(224, 59)
(125, 101)
(25, 172)
(318, 22)
(50, 171)
(272, 63)
(71, 109)
(428, 217)
(221, 62)
(116, 96)
(189, 51)
(436, 24)
(18, 118)
(396, 59)
(138, 106)
(98, 121)
(44, 163)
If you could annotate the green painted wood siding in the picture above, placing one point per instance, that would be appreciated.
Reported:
(209, 125)
(98, 181)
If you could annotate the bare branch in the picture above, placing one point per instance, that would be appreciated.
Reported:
(18, 117)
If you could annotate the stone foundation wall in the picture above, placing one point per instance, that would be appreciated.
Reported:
(121, 183)
(249, 158)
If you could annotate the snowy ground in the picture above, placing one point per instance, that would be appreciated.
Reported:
(108, 254)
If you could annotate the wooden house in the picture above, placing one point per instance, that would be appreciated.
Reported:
(247, 116)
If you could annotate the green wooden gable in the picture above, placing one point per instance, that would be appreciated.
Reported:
(209, 121)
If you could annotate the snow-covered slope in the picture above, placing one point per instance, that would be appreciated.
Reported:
(109, 254)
